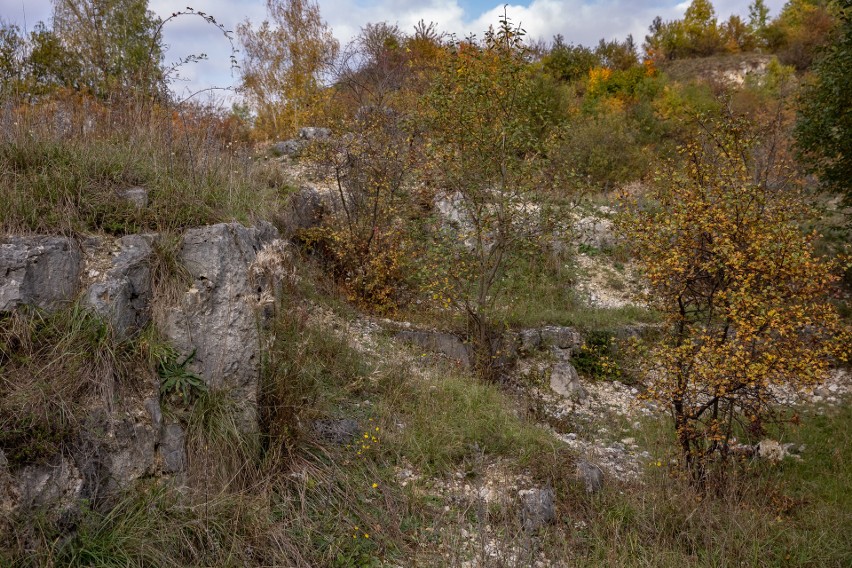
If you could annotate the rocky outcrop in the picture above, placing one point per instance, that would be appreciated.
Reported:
(216, 318)
(538, 507)
(551, 336)
(304, 209)
(236, 273)
(41, 271)
(293, 147)
(122, 292)
(444, 343)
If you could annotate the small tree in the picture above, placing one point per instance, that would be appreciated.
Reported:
(486, 121)
(115, 43)
(284, 63)
(744, 296)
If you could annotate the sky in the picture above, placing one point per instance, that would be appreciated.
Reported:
(579, 22)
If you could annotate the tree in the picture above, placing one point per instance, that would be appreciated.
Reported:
(824, 127)
(758, 21)
(116, 43)
(483, 119)
(803, 29)
(285, 60)
(569, 62)
(11, 56)
(744, 296)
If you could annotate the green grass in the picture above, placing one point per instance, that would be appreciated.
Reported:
(69, 179)
(533, 294)
(51, 366)
(796, 513)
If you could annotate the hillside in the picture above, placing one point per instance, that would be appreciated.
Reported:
(501, 304)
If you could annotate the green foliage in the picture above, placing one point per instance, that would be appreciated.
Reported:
(569, 62)
(596, 357)
(175, 377)
(307, 374)
(284, 65)
(116, 45)
(65, 161)
(824, 127)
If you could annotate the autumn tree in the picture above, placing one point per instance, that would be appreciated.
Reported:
(484, 119)
(744, 296)
(115, 43)
(284, 63)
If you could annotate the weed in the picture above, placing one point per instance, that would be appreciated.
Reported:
(176, 378)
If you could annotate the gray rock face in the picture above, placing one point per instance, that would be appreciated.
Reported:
(290, 148)
(337, 432)
(217, 316)
(558, 337)
(58, 483)
(591, 476)
(538, 508)
(595, 232)
(173, 448)
(38, 270)
(137, 196)
(115, 449)
(438, 342)
(314, 133)
(305, 209)
(565, 381)
(123, 296)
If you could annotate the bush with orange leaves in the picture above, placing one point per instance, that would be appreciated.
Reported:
(745, 297)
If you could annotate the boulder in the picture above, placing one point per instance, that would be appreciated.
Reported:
(565, 381)
(310, 133)
(290, 148)
(123, 294)
(538, 507)
(438, 342)
(304, 209)
(42, 271)
(217, 317)
(591, 476)
(136, 196)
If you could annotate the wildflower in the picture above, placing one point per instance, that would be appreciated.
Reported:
(375, 485)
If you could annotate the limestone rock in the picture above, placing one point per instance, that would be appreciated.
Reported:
(173, 448)
(559, 337)
(216, 318)
(42, 271)
(438, 342)
(538, 507)
(304, 209)
(565, 381)
(310, 133)
(123, 295)
(57, 483)
(290, 148)
(136, 196)
(591, 476)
